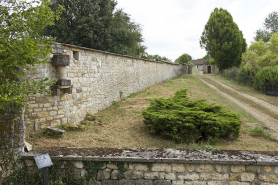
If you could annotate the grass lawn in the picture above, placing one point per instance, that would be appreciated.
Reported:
(121, 124)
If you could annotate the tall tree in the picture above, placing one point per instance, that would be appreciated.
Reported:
(183, 59)
(222, 39)
(270, 27)
(21, 47)
(97, 24)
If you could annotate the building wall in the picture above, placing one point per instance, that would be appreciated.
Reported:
(214, 69)
(98, 78)
(198, 68)
(123, 171)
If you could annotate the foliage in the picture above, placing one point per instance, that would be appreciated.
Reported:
(223, 40)
(97, 24)
(183, 59)
(266, 76)
(258, 64)
(155, 57)
(21, 47)
(259, 132)
(184, 120)
(270, 27)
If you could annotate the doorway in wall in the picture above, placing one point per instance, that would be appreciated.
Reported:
(209, 69)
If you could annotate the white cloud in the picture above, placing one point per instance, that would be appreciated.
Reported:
(174, 27)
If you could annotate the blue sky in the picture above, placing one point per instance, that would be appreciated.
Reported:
(174, 27)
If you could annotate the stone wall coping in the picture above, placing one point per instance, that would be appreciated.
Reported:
(159, 156)
(115, 54)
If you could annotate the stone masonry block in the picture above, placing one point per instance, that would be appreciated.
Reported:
(103, 174)
(204, 168)
(161, 167)
(114, 174)
(141, 167)
(78, 164)
(276, 170)
(170, 176)
(92, 182)
(143, 182)
(221, 168)
(235, 177)
(112, 166)
(254, 169)
(109, 182)
(237, 168)
(190, 167)
(60, 60)
(133, 175)
(178, 168)
(216, 183)
(239, 183)
(267, 169)
(29, 163)
(151, 175)
(269, 178)
(189, 177)
(126, 182)
(177, 182)
(213, 176)
(162, 182)
(195, 183)
(247, 177)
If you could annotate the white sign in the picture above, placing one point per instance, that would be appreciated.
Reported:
(43, 161)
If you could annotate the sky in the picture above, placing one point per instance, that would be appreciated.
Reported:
(173, 27)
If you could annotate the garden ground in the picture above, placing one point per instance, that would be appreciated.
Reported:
(121, 125)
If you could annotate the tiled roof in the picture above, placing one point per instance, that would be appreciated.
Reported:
(198, 62)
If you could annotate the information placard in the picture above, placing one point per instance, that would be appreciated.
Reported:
(43, 161)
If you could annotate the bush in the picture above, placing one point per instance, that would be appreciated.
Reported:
(266, 75)
(230, 73)
(245, 76)
(184, 120)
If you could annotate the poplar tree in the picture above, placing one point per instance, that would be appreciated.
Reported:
(223, 40)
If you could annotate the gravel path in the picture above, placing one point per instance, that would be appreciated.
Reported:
(269, 121)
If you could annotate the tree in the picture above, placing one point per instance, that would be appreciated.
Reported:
(222, 39)
(21, 47)
(97, 24)
(156, 57)
(270, 27)
(183, 59)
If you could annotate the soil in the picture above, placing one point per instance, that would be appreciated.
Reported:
(270, 122)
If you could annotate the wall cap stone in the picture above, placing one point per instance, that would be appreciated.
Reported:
(169, 155)
(105, 52)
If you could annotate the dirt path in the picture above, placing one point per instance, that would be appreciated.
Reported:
(268, 106)
(269, 121)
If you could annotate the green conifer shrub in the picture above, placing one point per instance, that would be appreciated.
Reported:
(267, 74)
(184, 120)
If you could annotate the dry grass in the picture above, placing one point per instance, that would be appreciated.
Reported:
(121, 125)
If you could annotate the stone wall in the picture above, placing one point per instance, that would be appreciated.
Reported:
(97, 78)
(214, 69)
(167, 167)
(11, 140)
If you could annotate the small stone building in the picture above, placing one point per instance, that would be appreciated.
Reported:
(210, 68)
(198, 64)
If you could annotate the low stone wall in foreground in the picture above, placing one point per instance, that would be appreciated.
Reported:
(161, 166)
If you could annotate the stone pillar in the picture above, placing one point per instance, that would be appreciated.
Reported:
(11, 140)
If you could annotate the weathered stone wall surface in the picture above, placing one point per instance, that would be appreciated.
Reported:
(214, 69)
(11, 140)
(166, 167)
(97, 78)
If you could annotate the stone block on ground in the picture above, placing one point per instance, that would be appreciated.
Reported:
(54, 132)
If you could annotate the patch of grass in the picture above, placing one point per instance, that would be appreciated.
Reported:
(116, 103)
(259, 132)
(129, 131)
(243, 99)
